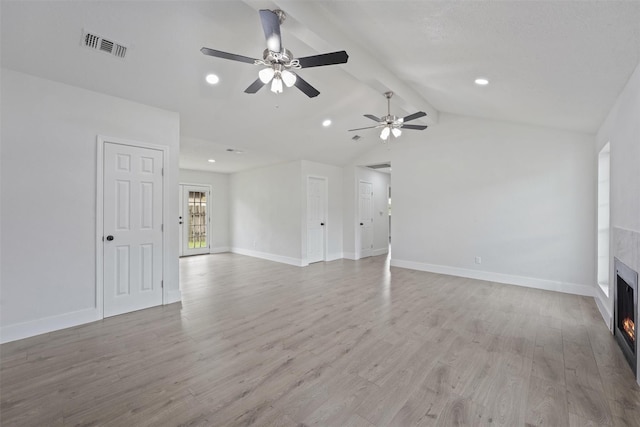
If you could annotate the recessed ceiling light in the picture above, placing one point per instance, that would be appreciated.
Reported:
(482, 81)
(211, 161)
(212, 79)
(326, 123)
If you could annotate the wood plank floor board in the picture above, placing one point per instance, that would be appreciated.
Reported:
(422, 408)
(460, 411)
(581, 366)
(547, 367)
(343, 343)
(624, 413)
(588, 404)
(546, 404)
(578, 421)
(548, 343)
(341, 404)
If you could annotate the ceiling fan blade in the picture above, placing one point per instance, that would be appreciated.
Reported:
(369, 127)
(225, 55)
(255, 86)
(309, 90)
(414, 116)
(271, 27)
(372, 117)
(324, 59)
(416, 127)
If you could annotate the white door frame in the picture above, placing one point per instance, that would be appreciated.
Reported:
(209, 207)
(388, 216)
(101, 141)
(358, 247)
(325, 214)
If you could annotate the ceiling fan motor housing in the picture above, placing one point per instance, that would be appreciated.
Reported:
(285, 58)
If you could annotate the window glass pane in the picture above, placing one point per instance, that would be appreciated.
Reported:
(197, 220)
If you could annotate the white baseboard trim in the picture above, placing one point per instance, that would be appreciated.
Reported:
(173, 295)
(380, 251)
(47, 324)
(604, 311)
(335, 256)
(349, 255)
(271, 257)
(530, 282)
(219, 250)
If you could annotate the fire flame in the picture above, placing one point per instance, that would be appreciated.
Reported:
(629, 328)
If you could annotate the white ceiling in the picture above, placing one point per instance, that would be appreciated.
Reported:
(556, 64)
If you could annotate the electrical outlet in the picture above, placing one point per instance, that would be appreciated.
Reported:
(478, 260)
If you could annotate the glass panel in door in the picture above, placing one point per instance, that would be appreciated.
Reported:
(197, 220)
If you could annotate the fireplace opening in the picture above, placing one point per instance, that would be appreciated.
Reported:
(626, 317)
(629, 328)
(626, 311)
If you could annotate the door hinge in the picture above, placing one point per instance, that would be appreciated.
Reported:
(162, 283)
(161, 227)
(162, 171)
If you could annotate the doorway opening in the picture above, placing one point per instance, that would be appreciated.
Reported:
(195, 219)
(374, 203)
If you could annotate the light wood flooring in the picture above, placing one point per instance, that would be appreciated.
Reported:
(344, 343)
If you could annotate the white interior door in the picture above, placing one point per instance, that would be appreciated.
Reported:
(365, 195)
(316, 218)
(133, 235)
(195, 219)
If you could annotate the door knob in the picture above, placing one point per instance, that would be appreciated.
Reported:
(322, 223)
(109, 238)
(361, 224)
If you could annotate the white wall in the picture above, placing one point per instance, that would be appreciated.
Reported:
(219, 204)
(268, 211)
(622, 129)
(49, 133)
(265, 212)
(520, 197)
(333, 174)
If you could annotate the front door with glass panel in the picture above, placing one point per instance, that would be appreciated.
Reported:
(195, 220)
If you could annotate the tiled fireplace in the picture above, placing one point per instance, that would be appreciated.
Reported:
(626, 311)
(626, 252)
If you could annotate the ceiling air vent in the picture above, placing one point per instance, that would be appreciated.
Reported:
(380, 166)
(96, 42)
(356, 137)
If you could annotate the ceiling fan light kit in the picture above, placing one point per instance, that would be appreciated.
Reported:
(392, 125)
(278, 61)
